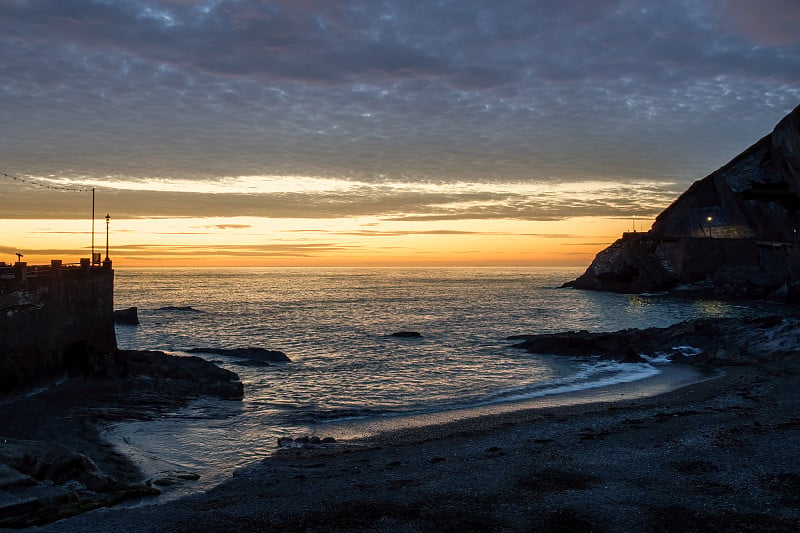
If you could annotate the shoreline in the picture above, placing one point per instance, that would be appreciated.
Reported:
(718, 454)
(669, 378)
(361, 433)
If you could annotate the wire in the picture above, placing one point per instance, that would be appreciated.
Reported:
(42, 185)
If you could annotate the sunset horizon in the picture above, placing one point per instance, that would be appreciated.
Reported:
(286, 133)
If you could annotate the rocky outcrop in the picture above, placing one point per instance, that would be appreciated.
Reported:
(407, 334)
(41, 482)
(733, 233)
(128, 317)
(714, 341)
(172, 377)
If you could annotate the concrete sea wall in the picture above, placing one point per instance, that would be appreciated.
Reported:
(54, 319)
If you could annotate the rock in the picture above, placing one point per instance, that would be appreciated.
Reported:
(285, 441)
(165, 481)
(177, 377)
(182, 309)
(11, 478)
(173, 477)
(252, 354)
(304, 442)
(52, 462)
(618, 346)
(129, 316)
(721, 341)
(731, 234)
(74, 485)
(407, 334)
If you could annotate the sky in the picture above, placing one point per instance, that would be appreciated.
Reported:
(366, 132)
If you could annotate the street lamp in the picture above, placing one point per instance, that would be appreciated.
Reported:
(709, 219)
(107, 262)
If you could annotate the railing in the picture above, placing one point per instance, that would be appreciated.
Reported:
(22, 271)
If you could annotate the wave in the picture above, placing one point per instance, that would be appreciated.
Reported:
(589, 376)
(298, 416)
(182, 309)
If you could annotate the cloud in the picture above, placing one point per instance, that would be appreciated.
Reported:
(767, 22)
(390, 201)
(230, 226)
(413, 90)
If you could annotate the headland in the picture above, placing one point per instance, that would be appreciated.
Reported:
(732, 234)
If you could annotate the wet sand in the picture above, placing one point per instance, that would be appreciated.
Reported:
(720, 455)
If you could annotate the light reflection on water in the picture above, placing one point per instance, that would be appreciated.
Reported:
(334, 325)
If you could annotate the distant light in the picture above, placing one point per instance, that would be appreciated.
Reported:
(709, 219)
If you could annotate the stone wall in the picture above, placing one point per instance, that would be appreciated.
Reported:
(54, 320)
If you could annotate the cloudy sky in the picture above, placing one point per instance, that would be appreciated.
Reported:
(374, 132)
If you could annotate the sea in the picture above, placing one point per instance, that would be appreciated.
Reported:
(347, 375)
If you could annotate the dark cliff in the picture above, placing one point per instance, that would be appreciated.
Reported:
(733, 233)
(54, 320)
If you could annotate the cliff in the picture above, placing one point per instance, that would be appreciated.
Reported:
(733, 233)
(53, 320)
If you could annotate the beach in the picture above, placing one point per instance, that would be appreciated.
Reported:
(719, 455)
(709, 444)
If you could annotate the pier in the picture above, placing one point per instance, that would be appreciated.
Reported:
(54, 319)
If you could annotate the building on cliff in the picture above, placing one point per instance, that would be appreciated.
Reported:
(54, 319)
(733, 234)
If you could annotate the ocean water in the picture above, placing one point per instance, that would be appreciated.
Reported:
(335, 325)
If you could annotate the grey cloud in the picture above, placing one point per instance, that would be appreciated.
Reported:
(450, 204)
(766, 22)
(475, 89)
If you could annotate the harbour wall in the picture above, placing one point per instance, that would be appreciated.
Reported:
(54, 319)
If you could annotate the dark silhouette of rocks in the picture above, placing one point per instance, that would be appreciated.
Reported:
(170, 376)
(711, 341)
(128, 317)
(255, 355)
(304, 442)
(41, 481)
(731, 234)
(407, 334)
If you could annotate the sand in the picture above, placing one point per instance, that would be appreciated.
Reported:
(720, 455)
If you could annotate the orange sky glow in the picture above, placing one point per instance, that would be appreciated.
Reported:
(305, 242)
(278, 132)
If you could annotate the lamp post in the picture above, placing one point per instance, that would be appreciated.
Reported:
(709, 219)
(107, 261)
(93, 262)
